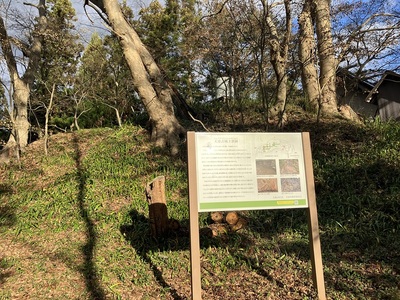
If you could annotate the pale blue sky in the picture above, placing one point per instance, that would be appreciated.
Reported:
(84, 24)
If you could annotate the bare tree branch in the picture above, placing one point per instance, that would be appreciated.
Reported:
(216, 13)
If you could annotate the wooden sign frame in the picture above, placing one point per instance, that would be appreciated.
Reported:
(314, 238)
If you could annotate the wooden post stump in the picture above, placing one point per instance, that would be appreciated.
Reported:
(158, 214)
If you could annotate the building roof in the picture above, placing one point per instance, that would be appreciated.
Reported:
(388, 75)
(363, 85)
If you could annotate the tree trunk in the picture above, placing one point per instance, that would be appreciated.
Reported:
(19, 135)
(147, 79)
(276, 112)
(46, 125)
(309, 73)
(158, 214)
(279, 47)
(76, 117)
(117, 114)
(21, 123)
(327, 61)
(21, 85)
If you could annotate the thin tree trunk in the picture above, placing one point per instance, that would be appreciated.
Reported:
(46, 126)
(117, 114)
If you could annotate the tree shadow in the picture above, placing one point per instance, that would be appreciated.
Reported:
(7, 219)
(4, 274)
(5, 189)
(88, 269)
(139, 236)
(7, 216)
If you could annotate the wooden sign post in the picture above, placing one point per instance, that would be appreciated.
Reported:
(251, 171)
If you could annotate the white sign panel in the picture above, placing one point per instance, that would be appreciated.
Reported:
(249, 171)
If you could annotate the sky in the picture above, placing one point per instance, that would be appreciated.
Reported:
(87, 24)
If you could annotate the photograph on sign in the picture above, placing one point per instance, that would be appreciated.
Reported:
(246, 171)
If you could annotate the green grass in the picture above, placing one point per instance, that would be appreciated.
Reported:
(74, 224)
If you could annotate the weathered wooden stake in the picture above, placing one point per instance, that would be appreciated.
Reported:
(158, 214)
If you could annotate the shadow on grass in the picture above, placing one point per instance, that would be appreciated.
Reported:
(139, 236)
(5, 189)
(7, 216)
(89, 268)
(7, 219)
(3, 273)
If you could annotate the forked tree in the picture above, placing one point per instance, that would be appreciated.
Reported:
(317, 57)
(21, 84)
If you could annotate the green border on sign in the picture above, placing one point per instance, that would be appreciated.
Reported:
(240, 205)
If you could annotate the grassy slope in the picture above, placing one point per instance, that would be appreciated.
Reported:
(74, 225)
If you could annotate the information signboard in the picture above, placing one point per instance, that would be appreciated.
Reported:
(249, 171)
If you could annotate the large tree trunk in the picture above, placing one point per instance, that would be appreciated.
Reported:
(21, 85)
(327, 61)
(147, 79)
(309, 73)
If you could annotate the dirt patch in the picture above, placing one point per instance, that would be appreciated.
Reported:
(29, 272)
